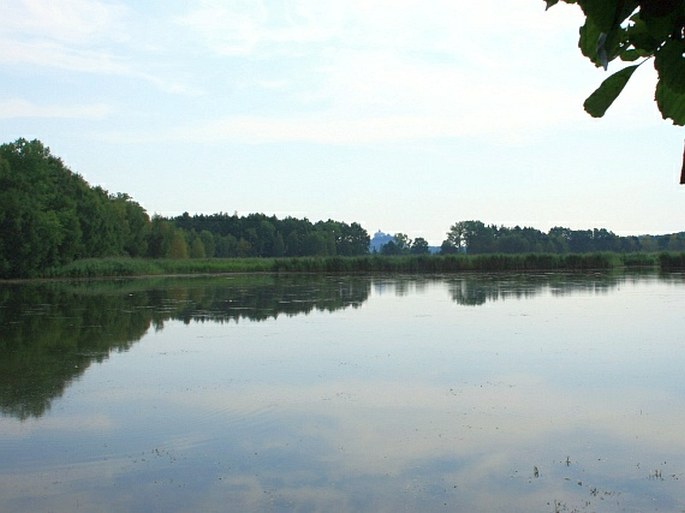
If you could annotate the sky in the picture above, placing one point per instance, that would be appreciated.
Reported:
(404, 116)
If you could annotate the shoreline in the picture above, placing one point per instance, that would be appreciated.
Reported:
(125, 267)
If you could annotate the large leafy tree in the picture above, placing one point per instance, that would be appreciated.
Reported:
(420, 246)
(636, 31)
(50, 216)
(471, 237)
(399, 245)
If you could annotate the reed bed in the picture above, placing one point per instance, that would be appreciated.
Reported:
(115, 267)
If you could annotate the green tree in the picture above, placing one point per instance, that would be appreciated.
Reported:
(137, 229)
(279, 245)
(399, 245)
(314, 244)
(178, 249)
(197, 247)
(513, 242)
(31, 232)
(50, 215)
(226, 246)
(648, 243)
(354, 240)
(472, 237)
(559, 239)
(447, 248)
(456, 239)
(208, 243)
(419, 246)
(293, 243)
(244, 248)
(161, 235)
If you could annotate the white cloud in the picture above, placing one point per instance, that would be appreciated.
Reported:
(69, 21)
(53, 55)
(85, 36)
(387, 71)
(510, 122)
(228, 28)
(74, 35)
(16, 108)
(362, 71)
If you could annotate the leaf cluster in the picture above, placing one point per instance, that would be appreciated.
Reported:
(631, 31)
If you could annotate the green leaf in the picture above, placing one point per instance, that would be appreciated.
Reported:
(600, 47)
(599, 101)
(602, 13)
(589, 37)
(639, 36)
(670, 103)
(670, 64)
(626, 10)
(661, 17)
(550, 3)
(630, 55)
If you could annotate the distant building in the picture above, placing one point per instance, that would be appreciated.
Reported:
(379, 240)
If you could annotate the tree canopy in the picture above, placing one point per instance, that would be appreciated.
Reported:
(50, 216)
(475, 237)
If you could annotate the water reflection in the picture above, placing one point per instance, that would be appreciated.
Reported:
(564, 393)
(477, 290)
(51, 332)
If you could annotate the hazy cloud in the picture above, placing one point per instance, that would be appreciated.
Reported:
(17, 108)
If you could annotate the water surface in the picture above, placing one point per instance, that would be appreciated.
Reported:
(480, 393)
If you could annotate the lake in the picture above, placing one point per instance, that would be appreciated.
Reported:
(471, 392)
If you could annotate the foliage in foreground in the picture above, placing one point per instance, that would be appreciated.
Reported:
(635, 30)
(632, 31)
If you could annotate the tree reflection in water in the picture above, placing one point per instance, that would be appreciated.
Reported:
(51, 332)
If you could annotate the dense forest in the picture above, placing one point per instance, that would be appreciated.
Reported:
(477, 238)
(50, 216)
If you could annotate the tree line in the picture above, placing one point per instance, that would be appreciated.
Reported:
(50, 216)
(258, 235)
(475, 237)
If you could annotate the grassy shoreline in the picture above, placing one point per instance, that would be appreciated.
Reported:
(122, 266)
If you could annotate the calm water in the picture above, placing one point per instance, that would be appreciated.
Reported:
(473, 393)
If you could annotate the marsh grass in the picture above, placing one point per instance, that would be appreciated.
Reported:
(115, 267)
(669, 261)
(123, 266)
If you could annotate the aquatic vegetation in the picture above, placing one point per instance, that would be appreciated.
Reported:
(124, 266)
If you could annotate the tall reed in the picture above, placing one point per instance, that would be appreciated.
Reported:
(90, 268)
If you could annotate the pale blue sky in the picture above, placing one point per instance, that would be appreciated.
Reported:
(404, 116)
